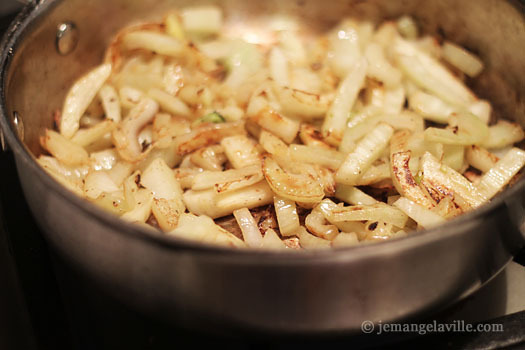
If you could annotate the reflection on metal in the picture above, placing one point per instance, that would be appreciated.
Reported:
(67, 38)
(19, 125)
(3, 145)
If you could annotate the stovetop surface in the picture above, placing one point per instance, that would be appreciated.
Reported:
(45, 305)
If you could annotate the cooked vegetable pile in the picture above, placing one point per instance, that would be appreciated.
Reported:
(281, 140)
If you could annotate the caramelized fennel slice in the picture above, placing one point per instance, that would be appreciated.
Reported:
(367, 151)
(446, 180)
(404, 180)
(215, 205)
(296, 187)
(80, 96)
(501, 173)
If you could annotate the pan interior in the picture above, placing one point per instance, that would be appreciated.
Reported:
(39, 77)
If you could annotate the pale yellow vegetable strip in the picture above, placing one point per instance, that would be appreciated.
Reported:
(302, 104)
(205, 20)
(85, 137)
(120, 172)
(161, 181)
(345, 239)
(403, 121)
(98, 182)
(80, 96)
(394, 100)
(463, 60)
(186, 176)
(380, 68)
(169, 103)
(203, 229)
(448, 137)
(241, 151)
(430, 74)
(167, 205)
(74, 173)
(55, 171)
(430, 107)
(376, 212)
(279, 125)
(104, 160)
(454, 156)
(392, 199)
(347, 93)
(346, 48)
(287, 218)
(130, 188)
(209, 158)
(174, 26)
(250, 231)
(275, 146)
(503, 134)
(272, 241)
(480, 158)
(407, 27)
(404, 181)
(375, 174)
(449, 180)
(279, 67)
(317, 225)
(418, 213)
(331, 159)
(196, 95)
(470, 124)
(63, 149)
(353, 195)
(500, 175)
(207, 135)
(367, 151)
(223, 181)
(125, 136)
(311, 242)
(418, 146)
(469, 130)
(292, 47)
(142, 207)
(129, 96)
(356, 128)
(310, 136)
(110, 102)
(208, 202)
(481, 109)
(153, 41)
(297, 187)
(114, 202)
(327, 206)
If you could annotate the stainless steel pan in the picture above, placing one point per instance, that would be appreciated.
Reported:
(317, 293)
